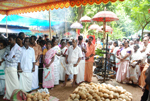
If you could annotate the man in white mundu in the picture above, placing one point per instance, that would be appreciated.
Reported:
(26, 65)
(80, 75)
(11, 57)
(73, 57)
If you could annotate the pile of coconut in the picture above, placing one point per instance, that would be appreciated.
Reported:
(99, 92)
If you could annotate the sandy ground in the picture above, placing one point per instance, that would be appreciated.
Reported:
(63, 93)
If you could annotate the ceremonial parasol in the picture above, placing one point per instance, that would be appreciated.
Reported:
(94, 26)
(105, 16)
(85, 19)
(76, 25)
(107, 29)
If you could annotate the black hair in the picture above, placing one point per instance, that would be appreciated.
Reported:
(40, 38)
(137, 40)
(4, 42)
(42, 42)
(21, 34)
(47, 39)
(33, 36)
(86, 40)
(126, 41)
(91, 37)
(38, 41)
(116, 42)
(45, 35)
(62, 40)
(26, 39)
(67, 40)
(80, 37)
(137, 46)
(49, 42)
(20, 37)
(70, 42)
(13, 36)
(53, 40)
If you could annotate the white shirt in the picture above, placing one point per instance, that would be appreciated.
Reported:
(27, 58)
(74, 54)
(9, 60)
(144, 54)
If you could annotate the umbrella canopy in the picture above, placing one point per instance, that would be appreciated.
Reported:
(67, 34)
(108, 29)
(108, 15)
(76, 25)
(85, 19)
(94, 27)
(99, 29)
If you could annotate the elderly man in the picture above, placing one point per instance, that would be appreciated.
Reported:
(145, 50)
(11, 57)
(89, 60)
(82, 45)
(38, 53)
(73, 57)
(27, 66)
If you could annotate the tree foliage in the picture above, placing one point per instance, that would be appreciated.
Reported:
(138, 12)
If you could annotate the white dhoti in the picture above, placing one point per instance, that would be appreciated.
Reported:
(35, 80)
(25, 81)
(135, 73)
(11, 81)
(70, 69)
(62, 69)
(81, 69)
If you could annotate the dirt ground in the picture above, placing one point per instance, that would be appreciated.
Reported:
(62, 93)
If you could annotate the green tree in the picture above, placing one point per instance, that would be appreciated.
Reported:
(138, 11)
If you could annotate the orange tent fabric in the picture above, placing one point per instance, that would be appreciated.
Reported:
(10, 7)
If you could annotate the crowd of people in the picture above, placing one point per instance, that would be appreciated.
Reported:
(27, 62)
(132, 59)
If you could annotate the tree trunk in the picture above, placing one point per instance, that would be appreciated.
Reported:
(142, 33)
(79, 13)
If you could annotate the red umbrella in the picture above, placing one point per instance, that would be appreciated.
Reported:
(67, 34)
(94, 26)
(108, 15)
(108, 29)
(85, 19)
(105, 16)
(76, 25)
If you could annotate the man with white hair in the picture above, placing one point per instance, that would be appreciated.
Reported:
(73, 57)
(145, 50)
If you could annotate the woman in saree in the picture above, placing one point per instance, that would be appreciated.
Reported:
(48, 72)
(123, 68)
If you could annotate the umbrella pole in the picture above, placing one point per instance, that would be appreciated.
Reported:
(6, 27)
(104, 25)
(50, 24)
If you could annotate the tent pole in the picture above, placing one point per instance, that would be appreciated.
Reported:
(50, 24)
(6, 27)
